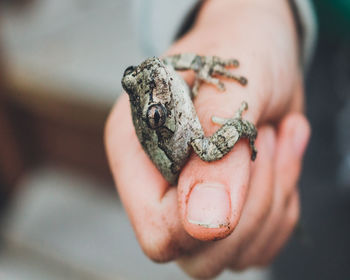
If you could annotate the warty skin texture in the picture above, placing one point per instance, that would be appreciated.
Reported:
(165, 119)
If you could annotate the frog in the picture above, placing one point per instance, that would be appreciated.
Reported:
(164, 116)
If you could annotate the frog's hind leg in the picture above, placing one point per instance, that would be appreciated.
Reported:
(253, 148)
(223, 140)
(248, 129)
(244, 107)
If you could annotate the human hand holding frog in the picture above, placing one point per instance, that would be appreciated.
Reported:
(256, 203)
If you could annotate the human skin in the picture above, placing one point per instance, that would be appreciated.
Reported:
(256, 202)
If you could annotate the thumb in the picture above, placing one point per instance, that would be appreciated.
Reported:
(212, 195)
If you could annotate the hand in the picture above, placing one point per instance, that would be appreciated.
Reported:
(256, 203)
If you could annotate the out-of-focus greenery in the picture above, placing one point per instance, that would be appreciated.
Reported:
(334, 17)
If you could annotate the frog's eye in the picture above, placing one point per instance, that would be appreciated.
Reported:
(129, 70)
(156, 116)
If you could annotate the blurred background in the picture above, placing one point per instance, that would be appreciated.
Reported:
(61, 63)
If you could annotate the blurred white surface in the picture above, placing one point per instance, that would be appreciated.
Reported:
(66, 226)
(79, 48)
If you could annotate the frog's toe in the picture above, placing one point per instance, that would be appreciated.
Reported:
(221, 86)
(254, 154)
(216, 82)
(231, 62)
(243, 81)
(218, 120)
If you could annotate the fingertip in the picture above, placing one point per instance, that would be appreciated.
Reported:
(293, 136)
(208, 211)
(212, 199)
(211, 195)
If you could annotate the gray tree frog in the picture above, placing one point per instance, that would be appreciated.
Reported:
(165, 119)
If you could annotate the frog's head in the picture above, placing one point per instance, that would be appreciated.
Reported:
(148, 87)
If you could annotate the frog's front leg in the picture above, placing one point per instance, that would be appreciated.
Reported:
(223, 140)
(206, 67)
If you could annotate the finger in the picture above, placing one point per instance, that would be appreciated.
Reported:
(211, 196)
(149, 201)
(263, 250)
(216, 256)
(292, 139)
(286, 229)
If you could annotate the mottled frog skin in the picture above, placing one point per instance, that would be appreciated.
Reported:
(165, 119)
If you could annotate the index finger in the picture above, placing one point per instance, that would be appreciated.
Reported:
(149, 201)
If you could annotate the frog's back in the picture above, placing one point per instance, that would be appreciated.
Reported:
(187, 126)
(163, 114)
